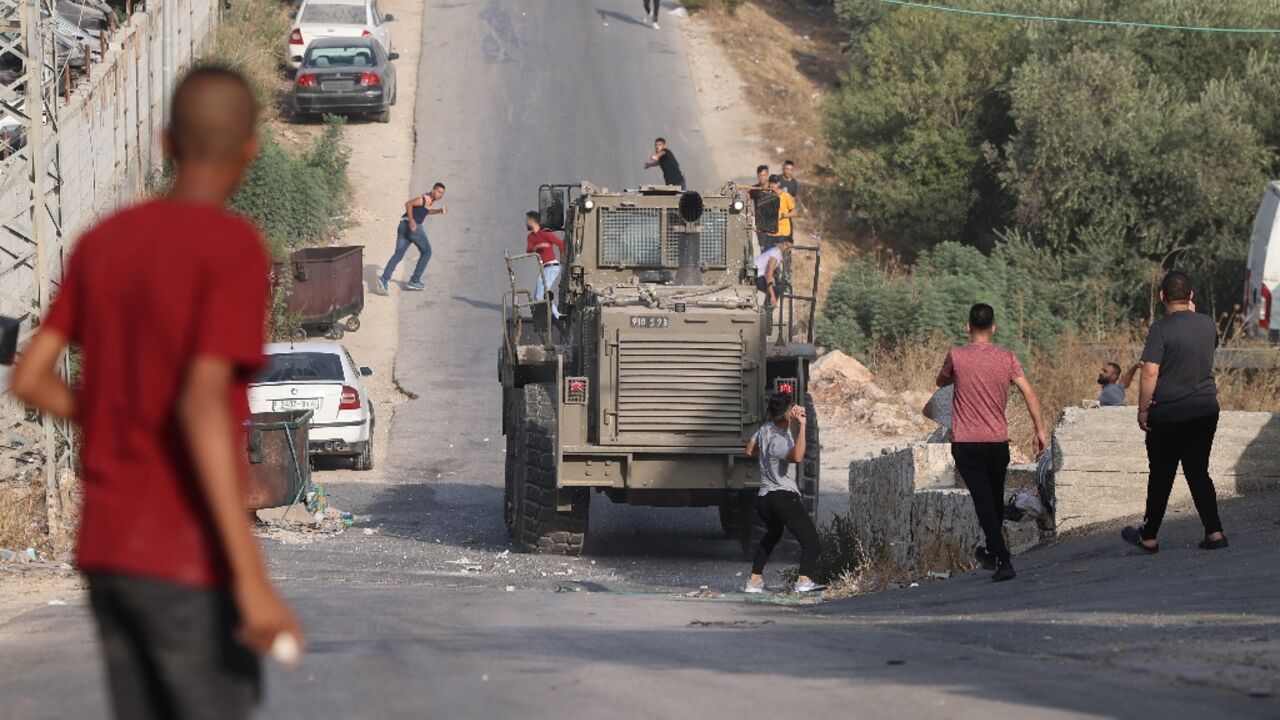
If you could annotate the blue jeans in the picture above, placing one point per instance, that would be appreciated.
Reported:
(403, 239)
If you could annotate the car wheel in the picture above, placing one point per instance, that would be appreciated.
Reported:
(352, 324)
(385, 115)
(335, 332)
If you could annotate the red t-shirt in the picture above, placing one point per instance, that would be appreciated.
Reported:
(544, 236)
(982, 374)
(145, 292)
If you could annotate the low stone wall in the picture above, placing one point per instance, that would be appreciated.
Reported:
(909, 508)
(1100, 462)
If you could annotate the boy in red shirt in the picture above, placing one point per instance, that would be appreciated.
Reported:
(167, 302)
(542, 241)
(982, 373)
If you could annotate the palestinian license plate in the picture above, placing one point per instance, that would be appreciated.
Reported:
(295, 404)
(649, 322)
(337, 85)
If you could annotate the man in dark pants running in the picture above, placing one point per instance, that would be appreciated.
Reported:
(178, 587)
(651, 12)
(663, 157)
(982, 373)
(411, 232)
(779, 503)
(1178, 409)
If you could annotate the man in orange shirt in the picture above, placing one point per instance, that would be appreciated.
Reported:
(786, 210)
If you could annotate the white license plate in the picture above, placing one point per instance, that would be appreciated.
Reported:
(295, 404)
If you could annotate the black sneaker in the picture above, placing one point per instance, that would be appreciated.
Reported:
(1133, 536)
(1004, 572)
(985, 558)
(1207, 544)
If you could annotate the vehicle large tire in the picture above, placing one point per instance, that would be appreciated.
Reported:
(509, 464)
(808, 479)
(539, 527)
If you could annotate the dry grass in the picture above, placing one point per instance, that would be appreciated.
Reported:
(1065, 376)
(22, 517)
(251, 39)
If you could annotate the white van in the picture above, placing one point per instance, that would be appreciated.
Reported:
(1262, 273)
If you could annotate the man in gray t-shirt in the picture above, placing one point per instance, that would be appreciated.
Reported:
(1178, 410)
(776, 472)
(778, 503)
(1113, 384)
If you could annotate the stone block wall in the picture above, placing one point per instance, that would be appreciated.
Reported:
(1100, 462)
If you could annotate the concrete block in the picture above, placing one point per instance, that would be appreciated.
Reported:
(1100, 464)
(908, 508)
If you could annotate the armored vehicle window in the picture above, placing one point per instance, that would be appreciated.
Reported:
(631, 236)
(714, 223)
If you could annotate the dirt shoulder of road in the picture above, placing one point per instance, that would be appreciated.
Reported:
(381, 162)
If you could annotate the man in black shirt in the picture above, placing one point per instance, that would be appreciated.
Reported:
(665, 159)
(789, 181)
(1178, 409)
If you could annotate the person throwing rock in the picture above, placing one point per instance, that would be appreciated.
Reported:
(412, 232)
(779, 503)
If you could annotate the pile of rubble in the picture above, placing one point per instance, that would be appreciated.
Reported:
(848, 399)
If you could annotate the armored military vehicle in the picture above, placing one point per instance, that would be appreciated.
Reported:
(648, 387)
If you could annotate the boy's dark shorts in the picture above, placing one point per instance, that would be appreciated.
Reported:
(170, 650)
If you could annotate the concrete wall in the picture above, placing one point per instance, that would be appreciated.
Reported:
(1100, 463)
(108, 136)
(909, 509)
(108, 145)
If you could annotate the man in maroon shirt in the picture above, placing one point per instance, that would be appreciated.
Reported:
(542, 241)
(167, 302)
(982, 373)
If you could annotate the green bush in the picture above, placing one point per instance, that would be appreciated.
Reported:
(297, 200)
(1091, 158)
(871, 309)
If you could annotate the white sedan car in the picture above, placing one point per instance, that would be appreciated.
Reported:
(320, 377)
(336, 18)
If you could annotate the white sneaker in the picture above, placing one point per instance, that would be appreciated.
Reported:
(655, 24)
(754, 587)
(809, 586)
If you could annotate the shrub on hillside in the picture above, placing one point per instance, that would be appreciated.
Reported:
(296, 199)
(871, 309)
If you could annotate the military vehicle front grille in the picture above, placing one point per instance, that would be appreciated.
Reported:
(631, 236)
(714, 225)
(690, 387)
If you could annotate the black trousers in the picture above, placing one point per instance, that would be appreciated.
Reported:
(654, 4)
(783, 509)
(983, 467)
(1190, 443)
(170, 651)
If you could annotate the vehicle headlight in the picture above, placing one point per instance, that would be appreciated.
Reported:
(738, 206)
(588, 203)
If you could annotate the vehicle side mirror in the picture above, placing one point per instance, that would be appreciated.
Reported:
(366, 371)
(393, 56)
(388, 17)
(551, 207)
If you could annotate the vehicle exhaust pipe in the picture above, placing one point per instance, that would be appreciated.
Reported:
(689, 270)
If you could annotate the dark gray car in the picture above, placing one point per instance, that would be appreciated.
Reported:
(346, 76)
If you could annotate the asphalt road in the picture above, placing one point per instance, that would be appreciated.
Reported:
(519, 92)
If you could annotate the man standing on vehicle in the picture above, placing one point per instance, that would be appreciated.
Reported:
(663, 157)
(786, 210)
(542, 242)
(1178, 410)
(411, 231)
(170, 337)
(982, 373)
(769, 269)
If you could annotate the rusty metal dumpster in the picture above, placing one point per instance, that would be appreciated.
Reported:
(327, 290)
(279, 464)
